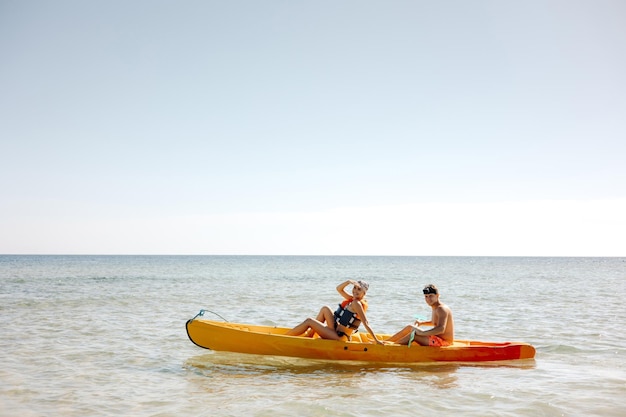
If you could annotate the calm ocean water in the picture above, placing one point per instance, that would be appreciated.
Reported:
(105, 335)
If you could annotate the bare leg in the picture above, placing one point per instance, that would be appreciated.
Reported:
(325, 315)
(422, 340)
(401, 334)
(299, 329)
(324, 331)
(404, 336)
(319, 328)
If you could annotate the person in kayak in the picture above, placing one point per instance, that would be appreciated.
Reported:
(344, 321)
(442, 332)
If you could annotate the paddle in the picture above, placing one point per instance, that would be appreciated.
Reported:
(418, 318)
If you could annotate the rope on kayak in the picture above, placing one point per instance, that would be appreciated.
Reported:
(201, 313)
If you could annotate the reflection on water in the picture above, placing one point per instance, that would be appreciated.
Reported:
(259, 363)
(234, 366)
(300, 365)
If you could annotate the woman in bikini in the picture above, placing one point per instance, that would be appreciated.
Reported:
(339, 325)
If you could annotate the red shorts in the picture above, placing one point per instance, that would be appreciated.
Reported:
(437, 341)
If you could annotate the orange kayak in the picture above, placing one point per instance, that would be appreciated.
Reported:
(267, 340)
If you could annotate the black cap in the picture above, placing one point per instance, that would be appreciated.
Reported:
(430, 289)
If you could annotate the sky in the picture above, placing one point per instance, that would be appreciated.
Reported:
(408, 128)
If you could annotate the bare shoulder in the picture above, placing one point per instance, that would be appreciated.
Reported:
(443, 308)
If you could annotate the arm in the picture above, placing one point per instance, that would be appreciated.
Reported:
(341, 289)
(358, 309)
(430, 322)
(440, 318)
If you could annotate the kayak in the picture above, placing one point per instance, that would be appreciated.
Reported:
(268, 340)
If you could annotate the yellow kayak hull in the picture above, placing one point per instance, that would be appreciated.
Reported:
(267, 340)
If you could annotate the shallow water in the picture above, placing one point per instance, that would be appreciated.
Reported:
(105, 335)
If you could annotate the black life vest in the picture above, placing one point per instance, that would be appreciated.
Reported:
(346, 317)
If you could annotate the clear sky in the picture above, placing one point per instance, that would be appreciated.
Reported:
(313, 128)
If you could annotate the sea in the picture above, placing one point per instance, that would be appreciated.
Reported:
(105, 336)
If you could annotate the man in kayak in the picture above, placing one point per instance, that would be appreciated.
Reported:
(442, 332)
(343, 322)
